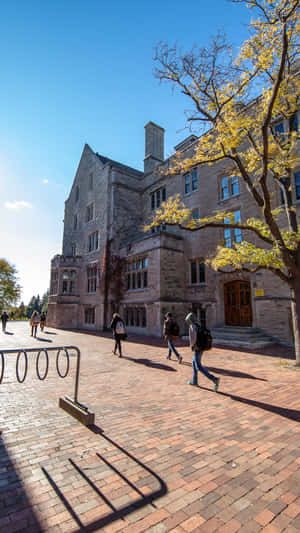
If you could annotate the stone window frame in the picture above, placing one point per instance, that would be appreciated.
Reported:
(137, 273)
(73, 249)
(233, 235)
(200, 313)
(91, 181)
(89, 214)
(68, 278)
(91, 275)
(191, 181)
(89, 315)
(93, 241)
(135, 316)
(229, 187)
(195, 213)
(54, 282)
(157, 197)
(197, 271)
(75, 222)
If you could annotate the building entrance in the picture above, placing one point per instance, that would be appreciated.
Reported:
(237, 297)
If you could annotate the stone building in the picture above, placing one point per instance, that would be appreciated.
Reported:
(109, 263)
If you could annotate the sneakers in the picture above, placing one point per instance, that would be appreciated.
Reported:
(168, 357)
(191, 383)
(179, 359)
(216, 385)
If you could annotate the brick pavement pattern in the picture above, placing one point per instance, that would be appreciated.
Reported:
(162, 456)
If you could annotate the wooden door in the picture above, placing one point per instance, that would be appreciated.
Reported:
(237, 297)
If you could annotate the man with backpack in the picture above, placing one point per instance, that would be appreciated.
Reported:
(200, 340)
(171, 332)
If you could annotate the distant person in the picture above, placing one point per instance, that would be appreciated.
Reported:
(42, 321)
(171, 332)
(200, 340)
(119, 332)
(34, 322)
(4, 319)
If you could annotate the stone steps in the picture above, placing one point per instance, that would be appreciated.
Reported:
(243, 337)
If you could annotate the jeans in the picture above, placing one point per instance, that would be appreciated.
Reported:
(118, 345)
(197, 366)
(33, 331)
(172, 349)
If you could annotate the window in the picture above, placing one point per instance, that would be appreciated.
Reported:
(191, 181)
(197, 271)
(136, 317)
(91, 181)
(233, 234)
(93, 241)
(77, 194)
(224, 188)
(89, 315)
(194, 180)
(157, 197)
(235, 189)
(200, 314)
(187, 184)
(278, 130)
(195, 214)
(73, 249)
(75, 222)
(91, 279)
(54, 282)
(68, 284)
(90, 212)
(137, 274)
(295, 123)
(297, 184)
(229, 187)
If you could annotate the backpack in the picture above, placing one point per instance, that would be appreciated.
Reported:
(204, 338)
(119, 329)
(174, 328)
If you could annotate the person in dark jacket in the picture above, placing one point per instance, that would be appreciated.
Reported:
(4, 319)
(168, 333)
(198, 352)
(118, 327)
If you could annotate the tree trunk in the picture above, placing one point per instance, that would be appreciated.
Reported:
(296, 317)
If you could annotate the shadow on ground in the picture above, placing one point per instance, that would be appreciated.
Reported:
(115, 514)
(13, 498)
(291, 414)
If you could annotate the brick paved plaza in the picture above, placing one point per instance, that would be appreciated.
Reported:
(162, 456)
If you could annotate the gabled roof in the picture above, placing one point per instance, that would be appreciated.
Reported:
(115, 164)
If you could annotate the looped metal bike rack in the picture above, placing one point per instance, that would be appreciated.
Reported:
(72, 406)
(26, 366)
(68, 363)
(41, 378)
(2, 366)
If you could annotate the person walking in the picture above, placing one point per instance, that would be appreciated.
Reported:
(4, 319)
(171, 332)
(34, 322)
(119, 332)
(42, 321)
(196, 332)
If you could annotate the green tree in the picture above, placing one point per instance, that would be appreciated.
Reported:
(31, 306)
(44, 303)
(240, 133)
(9, 286)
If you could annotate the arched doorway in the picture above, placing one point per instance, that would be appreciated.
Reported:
(237, 298)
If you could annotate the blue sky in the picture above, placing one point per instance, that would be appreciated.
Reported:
(76, 72)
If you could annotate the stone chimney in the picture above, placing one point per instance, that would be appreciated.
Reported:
(154, 146)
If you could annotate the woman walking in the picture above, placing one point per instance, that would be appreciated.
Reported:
(34, 322)
(118, 327)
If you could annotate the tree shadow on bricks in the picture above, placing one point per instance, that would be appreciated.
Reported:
(115, 514)
(291, 414)
(15, 507)
(152, 364)
(225, 372)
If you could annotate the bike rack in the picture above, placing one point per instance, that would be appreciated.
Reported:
(72, 406)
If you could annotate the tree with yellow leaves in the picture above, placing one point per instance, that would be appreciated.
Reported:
(237, 100)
